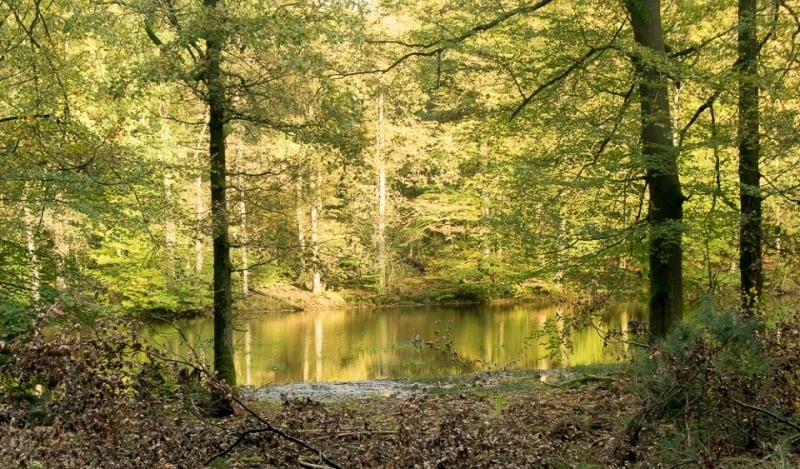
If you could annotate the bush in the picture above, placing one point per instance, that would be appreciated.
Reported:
(718, 388)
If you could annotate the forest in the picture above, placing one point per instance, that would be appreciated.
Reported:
(174, 158)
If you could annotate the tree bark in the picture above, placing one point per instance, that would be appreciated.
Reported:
(660, 160)
(750, 229)
(301, 227)
(223, 314)
(170, 237)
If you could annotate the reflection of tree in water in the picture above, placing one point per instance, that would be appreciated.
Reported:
(413, 342)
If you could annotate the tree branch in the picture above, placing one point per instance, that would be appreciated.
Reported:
(706, 105)
(445, 44)
(555, 79)
(268, 427)
(33, 116)
(777, 417)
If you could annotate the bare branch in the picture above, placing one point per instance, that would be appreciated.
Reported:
(708, 104)
(268, 427)
(33, 116)
(445, 44)
(555, 79)
(777, 417)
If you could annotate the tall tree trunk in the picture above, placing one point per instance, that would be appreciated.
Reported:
(380, 221)
(169, 229)
(60, 247)
(301, 226)
(750, 230)
(169, 215)
(199, 210)
(223, 314)
(660, 160)
(313, 228)
(242, 224)
(34, 268)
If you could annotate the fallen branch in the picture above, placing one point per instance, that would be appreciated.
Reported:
(269, 428)
(222, 389)
(312, 465)
(777, 417)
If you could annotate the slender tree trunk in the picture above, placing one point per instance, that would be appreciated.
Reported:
(243, 226)
(199, 210)
(750, 230)
(60, 246)
(169, 215)
(380, 222)
(223, 314)
(660, 160)
(169, 229)
(301, 226)
(34, 272)
(313, 228)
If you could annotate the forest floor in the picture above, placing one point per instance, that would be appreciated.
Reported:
(518, 419)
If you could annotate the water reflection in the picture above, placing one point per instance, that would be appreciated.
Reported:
(392, 343)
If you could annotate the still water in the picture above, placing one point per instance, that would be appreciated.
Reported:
(356, 345)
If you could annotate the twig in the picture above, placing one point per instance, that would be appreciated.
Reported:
(684, 463)
(305, 463)
(366, 432)
(236, 443)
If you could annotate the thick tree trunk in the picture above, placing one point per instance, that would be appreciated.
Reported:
(660, 160)
(223, 315)
(750, 230)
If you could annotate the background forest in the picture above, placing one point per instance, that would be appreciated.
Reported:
(160, 158)
(401, 150)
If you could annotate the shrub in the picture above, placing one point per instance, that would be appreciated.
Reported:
(718, 388)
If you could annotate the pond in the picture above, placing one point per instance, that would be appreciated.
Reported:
(407, 342)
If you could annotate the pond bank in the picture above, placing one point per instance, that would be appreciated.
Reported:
(342, 391)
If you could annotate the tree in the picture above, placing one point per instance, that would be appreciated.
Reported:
(660, 160)
(217, 117)
(658, 154)
(750, 225)
(63, 164)
(246, 62)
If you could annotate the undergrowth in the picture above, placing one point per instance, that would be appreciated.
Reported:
(99, 397)
(717, 389)
(720, 391)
